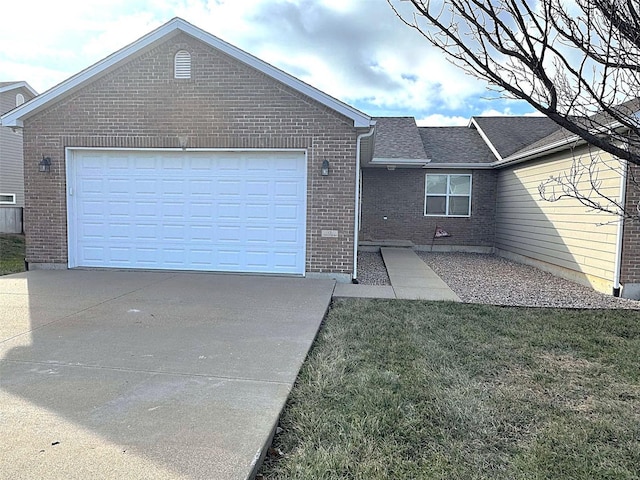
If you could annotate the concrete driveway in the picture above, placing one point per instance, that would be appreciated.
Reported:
(110, 374)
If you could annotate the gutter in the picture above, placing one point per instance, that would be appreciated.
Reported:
(620, 231)
(356, 229)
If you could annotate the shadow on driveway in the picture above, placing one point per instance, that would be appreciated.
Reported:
(107, 374)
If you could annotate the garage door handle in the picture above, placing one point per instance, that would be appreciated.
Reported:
(71, 192)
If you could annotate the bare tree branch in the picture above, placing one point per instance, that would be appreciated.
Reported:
(575, 61)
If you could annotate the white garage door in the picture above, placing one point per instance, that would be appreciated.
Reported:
(210, 211)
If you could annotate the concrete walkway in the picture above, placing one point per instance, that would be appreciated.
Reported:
(167, 376)
(411, 279)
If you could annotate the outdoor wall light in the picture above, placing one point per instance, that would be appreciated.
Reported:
(325, 168)
(45, 164)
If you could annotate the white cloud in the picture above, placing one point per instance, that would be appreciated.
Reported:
(507, 112)
(439, 120)
(355, 50)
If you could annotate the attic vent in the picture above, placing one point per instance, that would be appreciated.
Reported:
(182, 64)
(19, 99)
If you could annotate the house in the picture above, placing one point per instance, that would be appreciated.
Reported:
(12, 95)
(182, 152)
(480, 184)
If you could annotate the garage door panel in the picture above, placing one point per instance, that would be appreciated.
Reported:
(236, 212)
(287, 189)
(229, 188)
(286, 236)
(259, 235)
(258, 212)
(287, 213)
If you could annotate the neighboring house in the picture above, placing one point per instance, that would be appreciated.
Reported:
(183, 152)
(12, 95)
(480, 184)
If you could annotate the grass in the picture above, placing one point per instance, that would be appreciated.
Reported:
(419, 390)
(11, 254)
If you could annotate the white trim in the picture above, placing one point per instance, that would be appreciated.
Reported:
(460, 166)
(358, 206)
(71, 188)
(8, 202)
(484, 136)
(14, 86)
(71, 220)
(399, 161)
(177, 149)
(19, 99)
(447, 195)
(15, 117)
(620, 230)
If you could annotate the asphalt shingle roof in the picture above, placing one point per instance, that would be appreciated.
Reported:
(398, 137)
(628, 108)
(455, 145)
(511, 134)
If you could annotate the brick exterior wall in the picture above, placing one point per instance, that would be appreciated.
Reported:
(399, 195)
(630, 268)
(225, 104)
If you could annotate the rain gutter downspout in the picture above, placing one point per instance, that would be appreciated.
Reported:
(618, 264)
(357, 202)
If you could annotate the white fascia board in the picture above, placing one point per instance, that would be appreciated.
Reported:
(399, 161)
(15, 117)
(461, 166)
(484, 137)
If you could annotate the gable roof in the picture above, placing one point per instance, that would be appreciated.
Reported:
(598, 122)
(16, 116)
(456, 145)
(8, 86)
(507, 135)
(397, 141)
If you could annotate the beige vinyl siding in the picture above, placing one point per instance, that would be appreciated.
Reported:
(564, 237)
(11, 156)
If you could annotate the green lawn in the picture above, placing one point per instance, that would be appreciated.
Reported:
(419, 390)
(11, 254)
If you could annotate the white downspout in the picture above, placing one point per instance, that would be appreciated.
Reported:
(618, 264)
(357, 201)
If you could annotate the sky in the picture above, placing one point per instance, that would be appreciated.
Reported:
(355, 50)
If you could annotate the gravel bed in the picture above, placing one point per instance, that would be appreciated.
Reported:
(479, 278)
(371, 269)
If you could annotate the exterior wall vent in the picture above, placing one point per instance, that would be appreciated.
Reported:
(19, 99)
(182, 64)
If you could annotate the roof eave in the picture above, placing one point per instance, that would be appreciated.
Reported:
(462, 166)
(16, 85)
(399, 161)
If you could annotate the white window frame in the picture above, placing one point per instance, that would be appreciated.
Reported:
(182, 65)
(447, 195)
(7, 202)
(19, 99)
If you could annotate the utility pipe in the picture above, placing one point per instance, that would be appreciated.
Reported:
(357, 201)
(618, 264)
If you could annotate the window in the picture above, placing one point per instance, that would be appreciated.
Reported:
(447, 195)
(7, 198)
(182, 64)
(19, 99)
